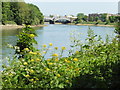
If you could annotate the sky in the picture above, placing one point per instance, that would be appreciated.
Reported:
(68, 7)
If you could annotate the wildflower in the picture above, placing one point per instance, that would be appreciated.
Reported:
(32, 60)
(56, 59)
(36, 79)
(77, 69)
(31, 80)
(10, 74)
(55, 55)
(50, 63)
(75, 59)
(44, 52)
(39, 54)
(50, 44)
(67, 61)
(76, 52)
(32, 71)
(26, 49)
(34, 53)
(27, 76)
(67, 81)
(31, 35)
(47, 69)
(25, 63)
(37, 59)
(28, 25)
(30, 52)
(56, 48)
(44, 46)
(48, 59)
(58, 75)
(63, 48)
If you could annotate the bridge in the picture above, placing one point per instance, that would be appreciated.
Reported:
(63, 20)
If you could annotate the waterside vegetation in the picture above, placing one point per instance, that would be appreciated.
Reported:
(96, 64)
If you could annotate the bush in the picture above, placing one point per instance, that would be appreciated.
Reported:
(9, 22)
(94, 65)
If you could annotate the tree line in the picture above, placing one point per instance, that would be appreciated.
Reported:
(98, 18)
(21, 13)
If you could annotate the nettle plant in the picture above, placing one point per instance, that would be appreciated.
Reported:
(94, 65)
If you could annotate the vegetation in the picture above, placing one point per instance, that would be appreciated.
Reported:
(21, 13)
(96, 19)
(96, 64)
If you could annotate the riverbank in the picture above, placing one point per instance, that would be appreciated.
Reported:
(8, 27)
(102, 25)
(91, 25)
(17, 26)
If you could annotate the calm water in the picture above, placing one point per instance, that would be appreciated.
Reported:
(59, 35)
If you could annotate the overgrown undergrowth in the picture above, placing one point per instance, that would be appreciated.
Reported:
(95, 65)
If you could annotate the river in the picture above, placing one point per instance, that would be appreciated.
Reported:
(59, 35)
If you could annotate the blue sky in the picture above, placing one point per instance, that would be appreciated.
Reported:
(72, 8)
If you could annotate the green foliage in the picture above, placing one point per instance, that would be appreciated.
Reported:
(21, 13)
(9, 22)
(26, 40)
(95, 65)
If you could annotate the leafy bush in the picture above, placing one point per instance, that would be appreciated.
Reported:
(9, 22)
(95, 65)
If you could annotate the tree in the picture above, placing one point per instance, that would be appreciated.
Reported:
(21, 13)
(103, 17)
(117, 29)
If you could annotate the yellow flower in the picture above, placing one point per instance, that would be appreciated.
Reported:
(44, 52)
(32, 60)
(58, 75)
(75, 59)
(50, 63)
(32, 35)
(76, 52)
(63, 48)
(56, 48)
(30, 52)
(27, 76)
(26, 49)
(28, 25)
(37, 59)
(77, 69)
(32, 71)
(48, 59)
(55, 55)
(10, 74)
(67, 81)
(31, 80)
(50, 44)
(47, 69)
(34, 53)
(39, 54)
(25, 63)
(67, 61)
(44, 46)
(36, 79)
(56, 60)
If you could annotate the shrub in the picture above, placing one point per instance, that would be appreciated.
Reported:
(95, 65)
(9, 22)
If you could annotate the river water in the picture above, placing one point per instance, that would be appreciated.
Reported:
(59, 35)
